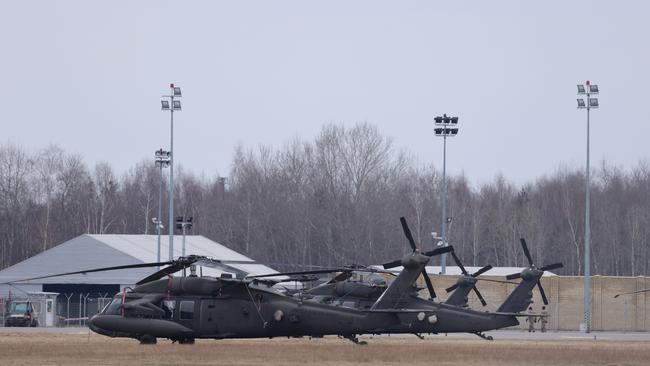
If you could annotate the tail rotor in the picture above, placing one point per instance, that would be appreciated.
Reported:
(409, 237)
(534, 271)
(468, 275)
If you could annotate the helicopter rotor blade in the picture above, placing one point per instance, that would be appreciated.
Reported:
(552, 266)
(451, 288)
(316, 271)
(114, 268)
(631, 293)
(427, 280)
(162, 273)
(513, 276)
(526, 251)
(407, 232)
(459, 264)
(541, 292)
(393, 264)
(482, 270)
(439, 251)
(478, 294)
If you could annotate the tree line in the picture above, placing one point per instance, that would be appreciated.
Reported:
(333, 200)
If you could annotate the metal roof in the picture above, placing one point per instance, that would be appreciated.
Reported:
(96, 251)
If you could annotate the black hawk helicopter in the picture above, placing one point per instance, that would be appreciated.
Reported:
(360, 286)
(187, 308)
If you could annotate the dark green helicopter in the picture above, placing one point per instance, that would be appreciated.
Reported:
(359, 287)
(187, 308)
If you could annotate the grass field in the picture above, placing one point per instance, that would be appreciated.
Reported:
(92, 349)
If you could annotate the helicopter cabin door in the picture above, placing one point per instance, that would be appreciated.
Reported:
(208, 323)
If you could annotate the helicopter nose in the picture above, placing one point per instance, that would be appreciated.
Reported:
(92, 324)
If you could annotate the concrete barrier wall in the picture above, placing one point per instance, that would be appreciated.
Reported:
(625, 313)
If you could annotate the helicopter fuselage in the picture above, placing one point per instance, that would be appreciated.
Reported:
(201, 307)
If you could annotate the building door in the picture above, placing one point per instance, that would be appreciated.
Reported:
(49, 312)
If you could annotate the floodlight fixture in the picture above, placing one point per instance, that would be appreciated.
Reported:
(454, 120)
(593, 102)
(593, 89)
(165, 105)
(581, 89)
(177, 105)
(438, 120)
(177, 91)
(581, 103)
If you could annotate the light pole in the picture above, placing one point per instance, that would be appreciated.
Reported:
(445, 127)
(184, 223)
(587, 89)
(162, 161)
(175, 105)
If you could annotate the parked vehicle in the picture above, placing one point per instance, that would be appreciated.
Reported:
(21, 314)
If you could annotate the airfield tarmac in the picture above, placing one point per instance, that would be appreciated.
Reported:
(78, 346)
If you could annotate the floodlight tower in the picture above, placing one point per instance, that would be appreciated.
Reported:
(162, 161)
(445, 127)
(175, 105)
(587, 89)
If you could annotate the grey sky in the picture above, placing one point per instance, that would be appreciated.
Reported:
(88, 76)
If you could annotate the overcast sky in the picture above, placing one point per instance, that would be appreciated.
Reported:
(88, 76)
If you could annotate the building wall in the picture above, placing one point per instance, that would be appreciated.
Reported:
(625, 313)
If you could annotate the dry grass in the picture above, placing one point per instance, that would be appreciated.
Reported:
(92, 349)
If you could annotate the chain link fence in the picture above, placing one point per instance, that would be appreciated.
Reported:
(73, 309)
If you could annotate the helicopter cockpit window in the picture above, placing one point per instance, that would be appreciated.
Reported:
(187, 310)
(113, 308)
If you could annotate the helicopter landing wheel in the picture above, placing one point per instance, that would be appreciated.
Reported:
(147, 339)
(354, 339)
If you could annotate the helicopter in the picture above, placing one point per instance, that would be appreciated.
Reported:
(183, 309)
(352, 288)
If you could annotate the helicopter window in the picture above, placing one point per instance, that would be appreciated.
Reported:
(187, 310)
(113, 308)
